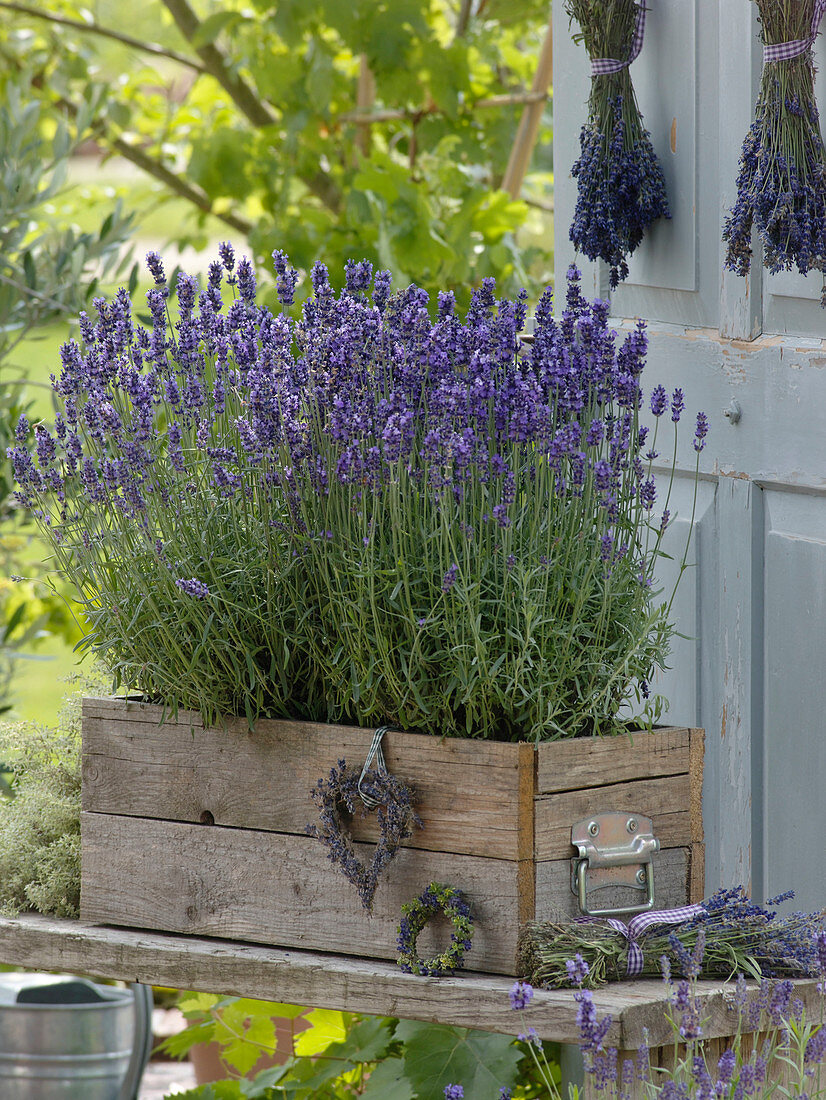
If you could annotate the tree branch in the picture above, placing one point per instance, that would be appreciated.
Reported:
(242, 95)
(105, 32)
(463, 21)
(157, 169)
(526, 134)
(256, 110)
(392, 114)
(180, 185)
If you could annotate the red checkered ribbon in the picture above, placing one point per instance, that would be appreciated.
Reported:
(639, 925)
(604, 66)
(785, 51)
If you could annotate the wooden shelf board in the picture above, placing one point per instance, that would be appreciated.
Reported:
(350, 984)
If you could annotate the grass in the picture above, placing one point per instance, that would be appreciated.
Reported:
(40, 682)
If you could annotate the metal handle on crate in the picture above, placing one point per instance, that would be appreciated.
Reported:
(615, 849)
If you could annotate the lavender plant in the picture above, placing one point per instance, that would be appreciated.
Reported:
(365, 513)
(781, 186)
(776, 1048)
(731, 934)
(620, 184)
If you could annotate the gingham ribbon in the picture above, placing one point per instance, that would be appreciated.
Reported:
(604, 66)
(785, 51)
(374, 753)
(639, 925)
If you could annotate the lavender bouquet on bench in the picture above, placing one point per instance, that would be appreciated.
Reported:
(726, 935)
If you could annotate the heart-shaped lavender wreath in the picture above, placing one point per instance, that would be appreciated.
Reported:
(348, 789)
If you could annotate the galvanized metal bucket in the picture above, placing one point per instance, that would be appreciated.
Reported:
(64, 1051)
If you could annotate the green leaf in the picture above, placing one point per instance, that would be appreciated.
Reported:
(178, 1046)
(436, 1056)
(213, 25)
(389, 1082)
(218, 1090)
(327, 1028)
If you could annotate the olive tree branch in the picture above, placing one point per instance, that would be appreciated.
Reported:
(256, 110)
(104, 32)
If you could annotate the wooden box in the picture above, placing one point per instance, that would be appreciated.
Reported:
(202, 831)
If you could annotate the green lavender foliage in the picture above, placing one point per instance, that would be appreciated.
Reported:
(40, 818)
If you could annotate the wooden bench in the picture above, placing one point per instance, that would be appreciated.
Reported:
(359, 985)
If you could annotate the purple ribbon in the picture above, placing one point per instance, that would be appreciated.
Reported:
(639, 925)
(605, 66)
(785, 51)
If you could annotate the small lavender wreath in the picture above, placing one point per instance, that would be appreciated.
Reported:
(396, 820)
(437, 898)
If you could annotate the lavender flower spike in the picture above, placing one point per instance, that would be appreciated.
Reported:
(521, 995)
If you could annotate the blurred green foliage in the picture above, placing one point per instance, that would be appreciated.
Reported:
(342, 1054)
(257, 124)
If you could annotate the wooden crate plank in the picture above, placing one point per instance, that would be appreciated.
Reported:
(179, 771)
(666, 800)
(697, 748)
(270, 888)
(595, 761)
(555, 900)
(697, 873)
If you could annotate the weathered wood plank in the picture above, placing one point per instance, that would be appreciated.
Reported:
(269, 888)
(666, 800)
(555, 900)
(697, 749)
(597, 761)
(180, 771)
(297, 977)
(353, 984)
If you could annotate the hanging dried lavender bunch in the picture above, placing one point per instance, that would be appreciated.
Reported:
(781, 188)
(620, 185)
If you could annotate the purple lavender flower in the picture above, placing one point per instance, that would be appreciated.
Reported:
(454, 1092)
(700, 432)
(449, 578)
(227, 254)
(592, 1031)
(677, 405)
(155, 265)
(358, 275)
(505, 1093)
(381, 289)
(286, 278)
(192, 587)
(620, 185)
(521, 995)
(246, 281)
(659, 400)
(577, 969)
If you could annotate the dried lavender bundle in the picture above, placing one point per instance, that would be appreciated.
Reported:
(731, 935)
(781, 186)
(620, 185)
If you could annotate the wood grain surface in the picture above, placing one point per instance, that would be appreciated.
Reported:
(282, 890)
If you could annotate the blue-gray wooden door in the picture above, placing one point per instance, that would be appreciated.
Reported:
(754, 604)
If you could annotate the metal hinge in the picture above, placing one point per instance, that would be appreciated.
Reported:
(615, 849)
